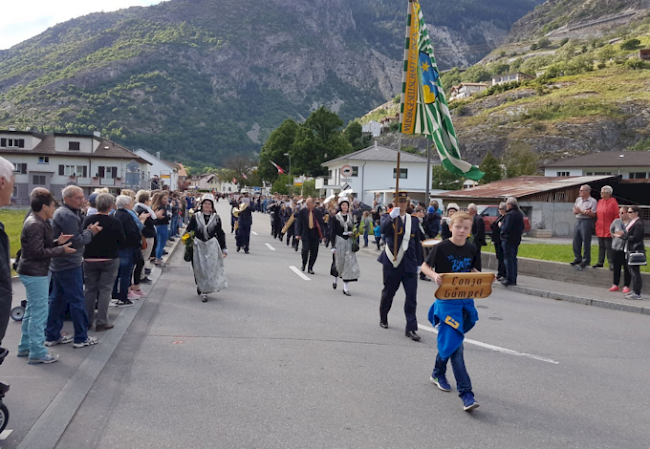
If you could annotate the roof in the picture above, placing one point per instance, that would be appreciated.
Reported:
(105, 149)
(473, 84)
(523, 186)
(606, 159)
(181, 171)
(377, 153)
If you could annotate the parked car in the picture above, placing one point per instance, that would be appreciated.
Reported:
(491, 212)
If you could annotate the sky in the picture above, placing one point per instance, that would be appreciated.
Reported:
(23, 19)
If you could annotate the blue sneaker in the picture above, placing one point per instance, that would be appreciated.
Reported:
(469, 403)
(47, 358)
(441, 383)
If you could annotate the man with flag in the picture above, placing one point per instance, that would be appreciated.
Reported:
(424, 106)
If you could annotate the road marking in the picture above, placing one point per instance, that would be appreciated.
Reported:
(5, 434)
(270, 247)
(299, 273)
(255, 233)
(496, 348)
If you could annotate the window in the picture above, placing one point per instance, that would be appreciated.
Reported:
(403, 173)
(107, 172)
(563, 173)
(43, 160)
(589, 173)
(638, 175)
(329, 174)
(73, 146)
(80, 171)
(38, 180)
(355, 171)
(21, 169)
(12, 143)
(600, 173)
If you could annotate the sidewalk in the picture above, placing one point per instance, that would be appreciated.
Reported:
(567, 291)
(44, 398)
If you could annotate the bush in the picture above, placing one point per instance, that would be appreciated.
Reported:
(533, 47)
(544, 43)
(631, 44)
(564, 41)
(636, 64)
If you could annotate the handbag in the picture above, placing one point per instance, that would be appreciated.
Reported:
(636, 259)
(355, 245)
(143, 245)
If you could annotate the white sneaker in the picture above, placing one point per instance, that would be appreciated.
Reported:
(90, 341)
(62, 341)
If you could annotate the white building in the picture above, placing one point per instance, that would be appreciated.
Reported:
(466, 90)
(628, 164)
(511, 78)
(374, 170)
(372, 128)
(165, 170)
(56, 160)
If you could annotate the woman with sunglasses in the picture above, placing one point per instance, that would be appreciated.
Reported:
(618, 250)
(633, 236)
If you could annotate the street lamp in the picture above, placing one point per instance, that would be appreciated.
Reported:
(289, 156)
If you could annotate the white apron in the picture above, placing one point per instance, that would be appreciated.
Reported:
(209, 269)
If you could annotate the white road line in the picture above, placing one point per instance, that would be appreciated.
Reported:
(5, 434)
(270, 247)
(255, 233)
(299, 273)
(496, 348)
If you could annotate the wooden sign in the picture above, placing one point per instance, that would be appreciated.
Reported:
(465, 286)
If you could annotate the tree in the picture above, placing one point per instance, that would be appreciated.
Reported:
(450, 78)
(606, 53)
(319, 139)
(631, 44)
(520, 160)
(544, 43)
(279, 142)
(241, 167)
(476, 74)
(443, 179)
(492, 169)
(282, 184)
(354, 135)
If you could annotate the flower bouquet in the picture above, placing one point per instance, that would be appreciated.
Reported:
(188, 241)
(354, 236)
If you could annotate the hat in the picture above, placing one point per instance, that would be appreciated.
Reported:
(208, 197)
(244, 192)
(92, 198)
(453, 206)
(401, 196)
(344, 199)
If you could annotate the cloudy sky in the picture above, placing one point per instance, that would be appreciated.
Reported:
(23, 19)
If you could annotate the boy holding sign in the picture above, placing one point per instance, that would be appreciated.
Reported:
(456, 316)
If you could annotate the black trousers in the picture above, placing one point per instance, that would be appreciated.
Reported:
(619, 261)
(243, 236)
(637, 283)
(393, 277)
(501, 266)
(310, 243)
(479, 262)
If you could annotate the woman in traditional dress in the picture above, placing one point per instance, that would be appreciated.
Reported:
(209, 249)
(344, 264)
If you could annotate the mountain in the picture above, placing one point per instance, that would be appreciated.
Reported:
(201, 80)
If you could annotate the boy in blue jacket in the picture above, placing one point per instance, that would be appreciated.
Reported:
(455, 317)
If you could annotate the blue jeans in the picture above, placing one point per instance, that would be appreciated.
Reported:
(463, 382)
(173, 230)
(33, 326)
(510, 261)
(127, 257)
(162, 234)
(365, 238)
(67, 289)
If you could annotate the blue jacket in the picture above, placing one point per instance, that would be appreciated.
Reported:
(413, 257)
(456, 317)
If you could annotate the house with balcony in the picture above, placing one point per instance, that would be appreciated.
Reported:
(373, 170)
(56, 160)
(165, 170)
(511, 78)
(466, 90)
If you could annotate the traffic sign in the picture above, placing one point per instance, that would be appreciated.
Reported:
(346, 171)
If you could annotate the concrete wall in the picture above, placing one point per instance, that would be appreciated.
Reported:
(555, 216)
(562, 272)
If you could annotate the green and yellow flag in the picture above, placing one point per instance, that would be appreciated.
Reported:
(424, 108)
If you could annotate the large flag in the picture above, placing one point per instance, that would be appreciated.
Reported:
(424, 107)
(280, 170)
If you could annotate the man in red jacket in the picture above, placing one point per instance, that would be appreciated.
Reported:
(606, 213)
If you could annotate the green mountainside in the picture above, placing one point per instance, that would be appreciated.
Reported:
(201, 80)
(591, 92)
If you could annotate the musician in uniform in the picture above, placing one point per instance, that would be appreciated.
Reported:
(244, 216)
(400, 268)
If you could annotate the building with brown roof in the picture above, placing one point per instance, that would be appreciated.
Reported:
(56, 160)
(630, 165)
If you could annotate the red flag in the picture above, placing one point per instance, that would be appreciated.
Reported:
(244, 176)
(280, 170)
(234, 181)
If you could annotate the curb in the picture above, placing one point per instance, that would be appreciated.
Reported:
(578, 299)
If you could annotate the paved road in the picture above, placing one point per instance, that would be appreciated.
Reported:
(276, 361)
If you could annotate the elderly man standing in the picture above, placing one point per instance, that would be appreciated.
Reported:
(585, 211)
(606, 213)
(6, 190)
(67, 277)
(512, 228)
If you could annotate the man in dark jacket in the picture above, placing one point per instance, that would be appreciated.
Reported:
(496, 240)
(67, 276)
(245, 221)
(6, 190)
(511, 232)
(478, 232)
(402, 269)
(311, 230)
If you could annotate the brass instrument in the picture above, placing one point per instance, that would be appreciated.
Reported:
(290, 221)
(240, 209)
